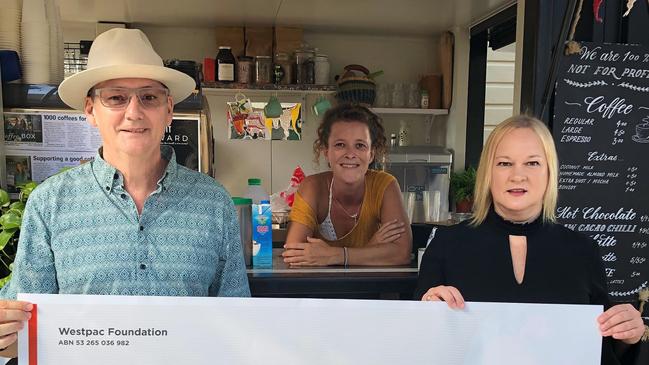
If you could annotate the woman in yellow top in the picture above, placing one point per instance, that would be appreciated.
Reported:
(350, 215)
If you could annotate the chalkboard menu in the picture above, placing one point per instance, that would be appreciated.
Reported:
(601, 128)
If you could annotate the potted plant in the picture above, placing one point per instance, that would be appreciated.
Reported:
(462, 185)
(11, 215)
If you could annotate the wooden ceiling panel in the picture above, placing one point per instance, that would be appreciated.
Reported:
(407, 17)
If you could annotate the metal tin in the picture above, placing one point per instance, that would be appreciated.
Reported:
(244, 212)
(321, 65)
(264, 70)
(245, 69)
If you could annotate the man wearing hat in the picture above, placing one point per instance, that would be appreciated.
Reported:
(133, 221)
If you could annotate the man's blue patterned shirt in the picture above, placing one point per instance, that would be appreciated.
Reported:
(81, 234)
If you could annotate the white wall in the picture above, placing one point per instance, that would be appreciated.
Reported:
(403, 59)
(499, 95)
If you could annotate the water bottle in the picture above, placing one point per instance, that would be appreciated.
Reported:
(255, 191)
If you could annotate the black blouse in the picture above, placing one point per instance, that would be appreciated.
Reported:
(562, 266)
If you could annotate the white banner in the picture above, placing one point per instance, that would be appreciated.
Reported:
(97, 330)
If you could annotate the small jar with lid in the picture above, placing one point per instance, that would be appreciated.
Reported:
(264, 70)
(283, 60)
(309, 69)
(225, 65)
(303, 64)
(245, 69)
(321, 69)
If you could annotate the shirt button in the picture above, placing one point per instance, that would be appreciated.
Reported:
(108, 188)
(141, 228)
(142, 266)
(123, 196)
(116, 176)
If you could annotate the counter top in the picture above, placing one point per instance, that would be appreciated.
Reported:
(369, 282)
(280, 267)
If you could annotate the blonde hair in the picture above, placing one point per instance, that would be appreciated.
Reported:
(482, 195)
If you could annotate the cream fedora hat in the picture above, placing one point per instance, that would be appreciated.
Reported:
(123, 53)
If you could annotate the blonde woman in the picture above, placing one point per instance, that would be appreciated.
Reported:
(513, 250)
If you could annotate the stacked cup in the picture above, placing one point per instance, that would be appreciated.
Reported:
(35, 39)
(10, 25)
(56, 41)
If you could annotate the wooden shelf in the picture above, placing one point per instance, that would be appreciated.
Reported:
(410, 111)
(293, 88)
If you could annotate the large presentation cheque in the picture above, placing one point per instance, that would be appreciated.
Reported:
(98, 330)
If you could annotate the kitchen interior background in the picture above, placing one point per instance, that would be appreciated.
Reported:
(403, 58)
(403, 54)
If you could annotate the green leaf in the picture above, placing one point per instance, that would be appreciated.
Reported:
(18, 212)
(26, 189)
(463, 184)
(18, 205)
(5, 280)
(374, 75)
(4, 198)
(5, 236)
(10, 220)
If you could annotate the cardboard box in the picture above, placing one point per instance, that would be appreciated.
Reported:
(287, 40)
(233, 37)
(259, 41)
(262, 236)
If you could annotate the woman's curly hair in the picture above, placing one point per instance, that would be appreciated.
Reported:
(351, 113)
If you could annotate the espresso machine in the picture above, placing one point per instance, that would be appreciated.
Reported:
(424, 175)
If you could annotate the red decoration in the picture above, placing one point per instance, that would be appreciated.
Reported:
(289, 194)
(596, 6)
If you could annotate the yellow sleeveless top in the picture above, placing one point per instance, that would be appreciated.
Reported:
(368, 220)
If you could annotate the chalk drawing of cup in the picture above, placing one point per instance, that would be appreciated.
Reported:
(642, 132)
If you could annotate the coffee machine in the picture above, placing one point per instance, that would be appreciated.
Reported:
(424, 175)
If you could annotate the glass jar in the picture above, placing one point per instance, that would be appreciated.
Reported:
(383, 96)
(321, 65)
(302, 64)
(225, 65)
(424, 99)
(264, 70)
(309, 69)
(398, 96)
(245, 68)
(278, 74)
(282, 60)
(414, 98)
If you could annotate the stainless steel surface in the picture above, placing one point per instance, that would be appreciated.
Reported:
(419, 154)
(423, 173)
(244, 212)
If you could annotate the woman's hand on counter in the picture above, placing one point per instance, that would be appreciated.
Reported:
(622, 322)
(314, 252)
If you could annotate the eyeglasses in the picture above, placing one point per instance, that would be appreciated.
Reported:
(120, 97)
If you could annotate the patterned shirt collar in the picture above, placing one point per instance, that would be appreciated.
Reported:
(110, 177)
